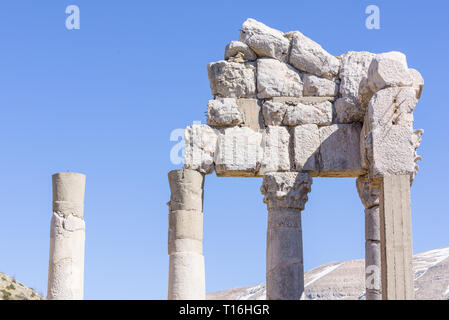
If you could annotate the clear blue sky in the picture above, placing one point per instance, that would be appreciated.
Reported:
(103, 100)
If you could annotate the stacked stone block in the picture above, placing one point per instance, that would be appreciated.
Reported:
(282, 103)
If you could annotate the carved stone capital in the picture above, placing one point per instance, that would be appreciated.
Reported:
(368, 190)
(286, 189)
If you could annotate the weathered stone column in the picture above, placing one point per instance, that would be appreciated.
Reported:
(285, 194)
(186, 279)
(369, 194)
(390, 144)
(396, 238)
(67, 234)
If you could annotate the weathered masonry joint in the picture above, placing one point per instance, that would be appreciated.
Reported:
(285, 109)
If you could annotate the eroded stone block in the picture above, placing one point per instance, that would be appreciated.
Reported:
(276, 155)
(232, 79)
(386, 72)
(273, 112)
(239, 152)
(275, 79)
(308, 56)
(319, 86)
(340, 150)
(265, 41)
(306, 144)
(390, 116)
(354, 67)
(299, 113)
(223, 112)
(200, 146)
(235, 47)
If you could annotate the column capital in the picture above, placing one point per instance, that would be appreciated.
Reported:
(286, 189)
(368, 190)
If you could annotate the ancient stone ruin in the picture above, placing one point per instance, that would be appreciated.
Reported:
(67, 235)
(286, 110)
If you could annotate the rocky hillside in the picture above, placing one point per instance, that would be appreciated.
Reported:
(345, 280)
(11, 289)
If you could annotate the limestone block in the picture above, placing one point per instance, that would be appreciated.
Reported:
(235, 47)
(348, 110)
(306, 144)
(232, 79)
(275, 78)
(265, 41)
(319, 86)
(273, 112)
(298, 114)
(186, 190)
(276, 156)
(354, 67)
(239, 152)
(366, 86)
(200, 146)
(252, 117)
(308, 56)
(394, 55)
(372, 224)
(418, 82)
(390, 119)
(223, 112)
(385, 72)
(340, 150)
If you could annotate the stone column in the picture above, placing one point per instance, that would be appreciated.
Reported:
(67, 234)
(186, 279)
(369, 194)
(285, 194)
(396, 238)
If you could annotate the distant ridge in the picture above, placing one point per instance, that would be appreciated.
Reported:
(345, 280)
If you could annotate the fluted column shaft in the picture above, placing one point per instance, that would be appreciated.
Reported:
(285, 194)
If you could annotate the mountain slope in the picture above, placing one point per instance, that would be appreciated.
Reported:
(345, 280)
(11, 289)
